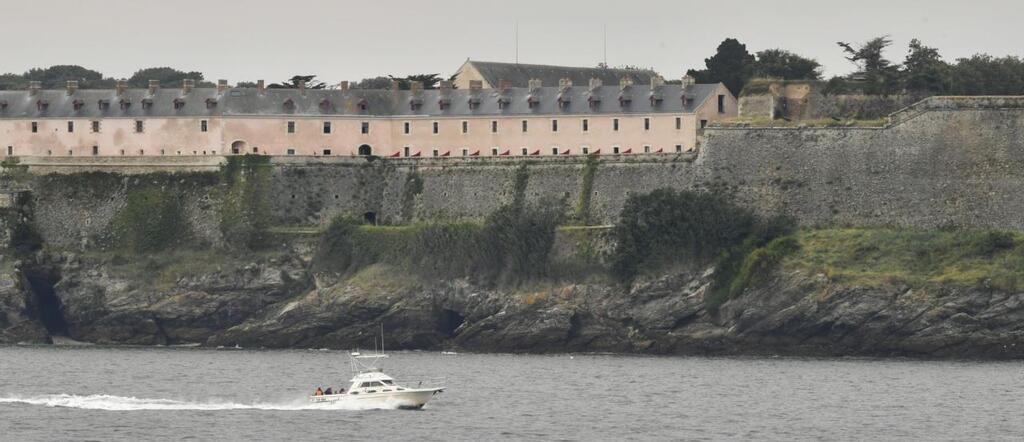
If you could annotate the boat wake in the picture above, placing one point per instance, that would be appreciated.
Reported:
(122, 403)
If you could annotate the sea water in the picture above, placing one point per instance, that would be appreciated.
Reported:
(96, 393)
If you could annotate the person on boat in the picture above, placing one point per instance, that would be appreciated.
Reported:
(319, 392)
(328, 391)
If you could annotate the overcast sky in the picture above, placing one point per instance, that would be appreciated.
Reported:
(349, 40)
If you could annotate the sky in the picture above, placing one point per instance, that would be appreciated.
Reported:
(349, 40)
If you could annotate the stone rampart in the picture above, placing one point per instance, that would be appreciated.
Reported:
(942, 162)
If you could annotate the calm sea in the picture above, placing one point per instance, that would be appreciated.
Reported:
(93, 393)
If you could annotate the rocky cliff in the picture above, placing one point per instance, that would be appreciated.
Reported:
(273, 300)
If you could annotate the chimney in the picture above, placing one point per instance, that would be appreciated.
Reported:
(445, 86)
(187, 85)
(72, 87)
(261, 87)
(343, 86)
(535, 84)
(302, 87)
(476, 85)
(504, 85)
(122, 85)
(222, 85)
(154, 85)
(595, 83)
(564, 83)
(657, 81)
(625, 82)
(688, 81)
(416, 86)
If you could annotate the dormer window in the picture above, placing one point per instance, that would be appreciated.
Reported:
(655, 100)
(103, 104)
(41, 105)
(77, 105)
(415, 103)
(325, 104)
(474, 102)
(289, 104)
(3, 105)
(532, 101)
(211, 103)
(593, 102)
(625, 100)
(363, 104)
(179, 103)
(147, 103)
(443, 103)
(563, 102)
(503, 102)
(125, 104)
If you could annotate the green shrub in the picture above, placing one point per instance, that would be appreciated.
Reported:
(152, 220)
(246, 209)
(667, 226)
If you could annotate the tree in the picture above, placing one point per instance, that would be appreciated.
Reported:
(246, 84)
(293, 83)
(881, 76)
(430, 81)
(10, 82)
(783, 64)
(924, 70)
(730, 65)
(983, 74)
(57, 77)
(168, 77)
(373, 83)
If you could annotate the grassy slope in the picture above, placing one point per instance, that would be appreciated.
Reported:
(915, 257)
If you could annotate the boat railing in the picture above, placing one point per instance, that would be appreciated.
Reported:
(421, 382)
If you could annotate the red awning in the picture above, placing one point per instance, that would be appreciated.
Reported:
(396, 155)
(506, 153)
(416, 154)
(630, 150)
(475, 154)
(536, 152)
(446, 153)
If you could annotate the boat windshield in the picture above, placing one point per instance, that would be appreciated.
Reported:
(388, 382)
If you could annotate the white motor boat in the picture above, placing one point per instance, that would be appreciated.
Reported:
(370, 388)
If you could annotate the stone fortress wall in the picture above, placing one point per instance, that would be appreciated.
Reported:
(942, 162)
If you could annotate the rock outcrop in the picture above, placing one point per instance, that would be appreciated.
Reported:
(278, 303)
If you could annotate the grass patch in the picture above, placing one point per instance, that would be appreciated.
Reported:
(872, 257)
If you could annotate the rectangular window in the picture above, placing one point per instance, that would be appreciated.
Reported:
(615, 149)
(35, 127)
(465, 152)
(291, 151)
(405, 151)
(679, 148)
(327, 127)
(95, 126)
(494, 151)
(647, 124)
(10, 150)
(327, 151)
(525, 126)
(138, 126)
(71, 126)
(291, 127)
(586, 125)
(95, 150)
(465, 127)
(71, 152)
(204, 126)
(721, 104)
(679, 123)
(494, 126)
(586, 150)
(525, 151)
(435, 127)
(703, 123)
(647, 149)
(554, 125)
(615, 124)
(554, 151)
(406, 128)
(435, 152)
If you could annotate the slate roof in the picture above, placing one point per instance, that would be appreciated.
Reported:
(521, 74)
(207, 102)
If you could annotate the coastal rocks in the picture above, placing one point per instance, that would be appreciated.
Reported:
(18, 320)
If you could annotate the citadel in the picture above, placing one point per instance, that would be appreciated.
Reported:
(509, 119)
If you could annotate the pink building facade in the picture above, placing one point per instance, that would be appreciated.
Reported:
(444, 122)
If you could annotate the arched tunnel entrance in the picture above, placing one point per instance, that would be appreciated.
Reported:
(43, 299)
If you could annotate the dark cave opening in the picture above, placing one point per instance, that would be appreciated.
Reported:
(449, 322)
(47, 305)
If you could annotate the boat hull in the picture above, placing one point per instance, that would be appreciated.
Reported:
(412, 399)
